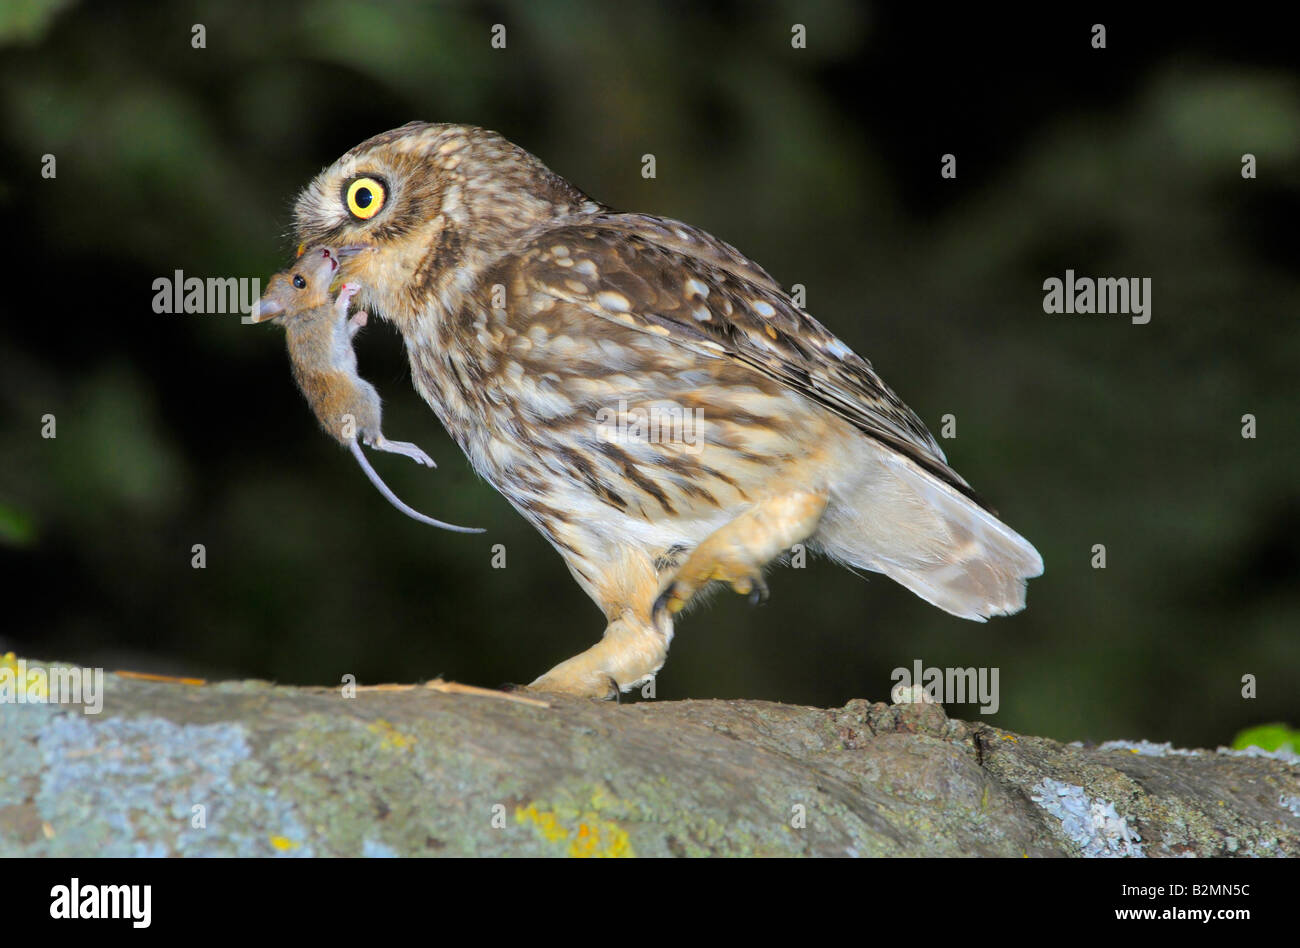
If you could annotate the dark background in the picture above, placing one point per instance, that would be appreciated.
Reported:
(823, 165)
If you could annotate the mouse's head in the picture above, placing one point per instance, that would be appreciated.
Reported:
(304, 286)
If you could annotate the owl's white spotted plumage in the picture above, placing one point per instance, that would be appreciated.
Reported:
(529, 311)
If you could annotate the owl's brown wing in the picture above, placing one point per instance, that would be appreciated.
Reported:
(672, 280)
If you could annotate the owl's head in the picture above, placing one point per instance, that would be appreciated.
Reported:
(424, 199)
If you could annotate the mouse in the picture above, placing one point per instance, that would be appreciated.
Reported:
(319, 334)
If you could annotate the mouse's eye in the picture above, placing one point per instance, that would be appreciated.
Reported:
(299, 282)
(364, 197)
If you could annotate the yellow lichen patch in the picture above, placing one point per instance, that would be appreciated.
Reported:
(31, 687)
(591, 837)
(393, 739)
(547, 823)
(283, 843)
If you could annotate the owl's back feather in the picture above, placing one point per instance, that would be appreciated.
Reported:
(670, 279)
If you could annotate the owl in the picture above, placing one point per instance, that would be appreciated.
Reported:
(645, 395)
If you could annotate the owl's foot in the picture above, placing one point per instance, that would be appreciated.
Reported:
(744, 577)
(737, 552)
(630, 653)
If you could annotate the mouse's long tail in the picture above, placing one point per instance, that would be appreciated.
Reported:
(396, 501)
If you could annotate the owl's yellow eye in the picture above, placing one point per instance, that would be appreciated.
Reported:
(364, 197)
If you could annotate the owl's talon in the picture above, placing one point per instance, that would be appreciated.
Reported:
(631, 650)
(736, 552)
(743, 579)
(670, 602)
(752, 586)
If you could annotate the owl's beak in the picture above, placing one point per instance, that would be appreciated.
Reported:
(351, 250)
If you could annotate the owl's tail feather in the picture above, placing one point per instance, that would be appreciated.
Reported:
(922, 533)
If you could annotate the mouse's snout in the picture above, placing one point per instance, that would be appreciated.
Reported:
(264, 310)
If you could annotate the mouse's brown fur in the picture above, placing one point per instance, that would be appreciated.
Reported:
(319, 336)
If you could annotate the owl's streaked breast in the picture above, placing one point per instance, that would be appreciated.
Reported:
(594, 430)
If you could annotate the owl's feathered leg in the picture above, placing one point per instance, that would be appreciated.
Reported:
(634, 646)
(737, 552)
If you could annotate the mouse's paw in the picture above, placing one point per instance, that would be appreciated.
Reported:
(414, 452)
(344, 299)
(355, 323)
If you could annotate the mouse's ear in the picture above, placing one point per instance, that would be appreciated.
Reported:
(264, 309)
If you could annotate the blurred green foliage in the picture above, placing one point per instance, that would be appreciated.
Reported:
(25, 21)
(822, 164)
(1269, 737)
